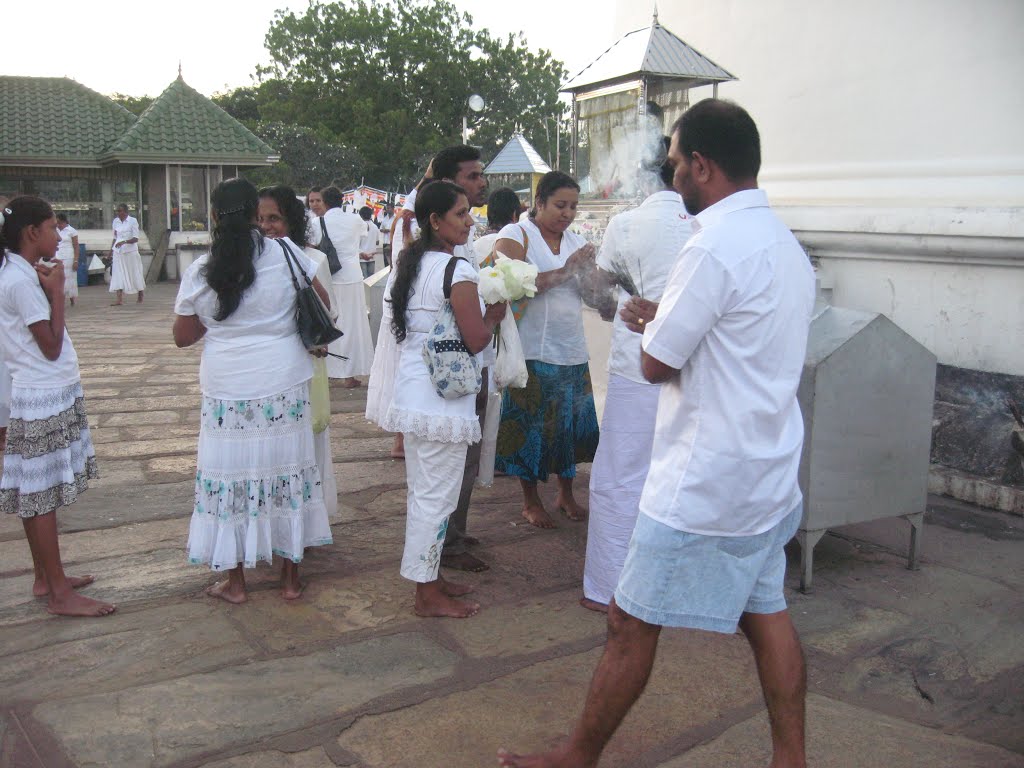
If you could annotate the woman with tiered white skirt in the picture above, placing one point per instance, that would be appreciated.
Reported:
(258, 490)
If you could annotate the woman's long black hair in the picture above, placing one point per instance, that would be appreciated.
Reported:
(230, 270)
(437, 197)
(20, 213)
(292, 209)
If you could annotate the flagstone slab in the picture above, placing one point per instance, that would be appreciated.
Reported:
(160, 724)
(171, 469)
(129, 647)
(141, 404)
(310, 758)
(696, 680)
(139, 419)
(359, 448)
(126, 449)
(330, 607)
(843, 736)
(544, 622)
(104, 506)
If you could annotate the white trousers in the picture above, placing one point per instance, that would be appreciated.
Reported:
(433, 474)
(617, 480)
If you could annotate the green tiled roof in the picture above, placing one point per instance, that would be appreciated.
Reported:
(56, 120)
(184, 123)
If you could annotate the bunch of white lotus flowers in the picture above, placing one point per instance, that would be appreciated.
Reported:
(508, 280)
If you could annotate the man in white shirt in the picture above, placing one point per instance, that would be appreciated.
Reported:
(461, 164)
(728, 340)
(639, 250)
(368, 242)
(386, 220)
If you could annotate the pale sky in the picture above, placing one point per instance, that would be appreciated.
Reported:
(134, 48)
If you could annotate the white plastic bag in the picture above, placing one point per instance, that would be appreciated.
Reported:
(489, 438)
(510, 366)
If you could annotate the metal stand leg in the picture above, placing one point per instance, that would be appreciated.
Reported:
(808, 541)
(916, 521)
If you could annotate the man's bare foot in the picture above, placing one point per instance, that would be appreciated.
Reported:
(593, 605)
(74, 604)
(431, 600)
(453, 589)
(225, 591)
(559, 758)
(398, 447)
(571, 509)
(538, 516)
(463, 561)
(41, 589)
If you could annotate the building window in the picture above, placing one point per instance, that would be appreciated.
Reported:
(89, 203)
(189, 197)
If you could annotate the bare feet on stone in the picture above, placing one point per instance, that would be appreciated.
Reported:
(398, 447)
(538, 516)
(571, 509)
(559, 758)
(225, 590)
(463, 561)
(431, 601)
(73, 604)
(453, 589)
(593, 605)
(41, 589)
(291, 587)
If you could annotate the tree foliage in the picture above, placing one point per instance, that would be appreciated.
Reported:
(134, 104)
(391, 80)
(307, 160)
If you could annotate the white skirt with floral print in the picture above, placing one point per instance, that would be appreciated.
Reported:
(258, 489)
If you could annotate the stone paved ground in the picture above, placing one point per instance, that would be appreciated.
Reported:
(906, 668)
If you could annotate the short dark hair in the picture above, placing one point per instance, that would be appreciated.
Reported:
(721, 131)
(61, 216)
(123, 207)
(502, 206)
(551, 182)
(365, 213)
(332, 197)
(447, 161)
(667, 171)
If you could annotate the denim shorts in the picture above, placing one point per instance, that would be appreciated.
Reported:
(676, 579)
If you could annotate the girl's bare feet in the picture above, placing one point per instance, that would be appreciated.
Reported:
(226, 590)
(558, 758)
(431, 600)
(398, 447)
(452, 589)
(291, 587)
(41, 589)
(73, 604)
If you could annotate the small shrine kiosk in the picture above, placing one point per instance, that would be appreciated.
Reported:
(637, 88)
(518, 163)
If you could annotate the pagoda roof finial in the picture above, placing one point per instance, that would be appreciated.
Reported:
(655, 14)
(179, 67)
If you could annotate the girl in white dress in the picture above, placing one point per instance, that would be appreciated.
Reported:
(67, 252)
(258, 489)
(49, 458)
(437, 431)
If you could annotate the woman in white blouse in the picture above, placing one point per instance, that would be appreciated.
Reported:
(258, 490)
(437, 431)
(67, 252)
(550, 425)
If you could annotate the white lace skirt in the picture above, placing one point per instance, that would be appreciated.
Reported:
(349, 299)
(258, 489)
(382, 375)
(126, 273)
(49, 458)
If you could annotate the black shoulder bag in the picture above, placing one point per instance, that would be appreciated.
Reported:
(315, 326)
(333, 262)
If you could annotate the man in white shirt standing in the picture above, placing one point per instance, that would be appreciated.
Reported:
(728, 341)
(639, 250)
(386, 220)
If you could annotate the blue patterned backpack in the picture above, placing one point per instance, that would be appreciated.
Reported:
(454, 370)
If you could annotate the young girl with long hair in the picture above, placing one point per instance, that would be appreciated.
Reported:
(437, 431)
(49, 458)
